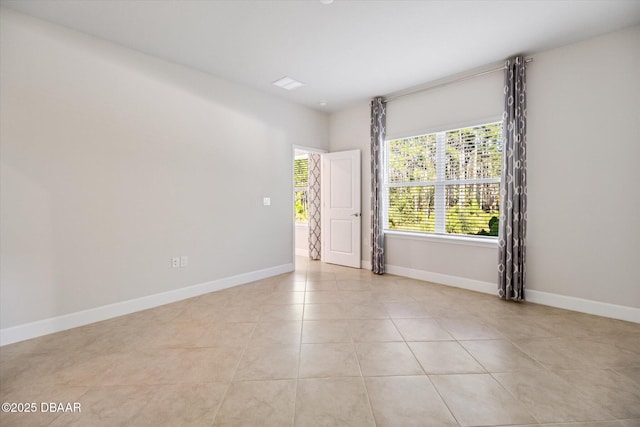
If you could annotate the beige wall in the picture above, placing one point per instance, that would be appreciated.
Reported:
(584, 147)
(349, 130)
(302, 240)
(113, 162)
(584, 122)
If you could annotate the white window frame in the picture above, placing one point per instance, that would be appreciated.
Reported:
(439, 187)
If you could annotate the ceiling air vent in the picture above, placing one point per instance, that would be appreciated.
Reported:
(288, 83)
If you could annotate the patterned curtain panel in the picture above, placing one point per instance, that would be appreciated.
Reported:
(314, 206)
(378, 123)
(513, 194)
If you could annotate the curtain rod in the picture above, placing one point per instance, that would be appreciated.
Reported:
(446, 83)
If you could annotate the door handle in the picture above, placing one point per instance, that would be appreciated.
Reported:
(357, 214)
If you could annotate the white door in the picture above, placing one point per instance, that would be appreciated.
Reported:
(341, 214)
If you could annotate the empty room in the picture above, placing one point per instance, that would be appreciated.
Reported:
(319, 213)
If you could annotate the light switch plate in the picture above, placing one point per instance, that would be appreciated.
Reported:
(267, 201)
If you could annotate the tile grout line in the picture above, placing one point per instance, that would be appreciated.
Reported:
(295, 392)
(235, 371)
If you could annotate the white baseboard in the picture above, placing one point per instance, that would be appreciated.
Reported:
(621, 312)
(302, 252)
(365, 265)
(85, 317)
(443, 279)
(614, 311)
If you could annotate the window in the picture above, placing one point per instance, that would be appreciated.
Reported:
(301, 188)
(445, 183)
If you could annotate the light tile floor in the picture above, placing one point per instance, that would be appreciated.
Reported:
(333, 346)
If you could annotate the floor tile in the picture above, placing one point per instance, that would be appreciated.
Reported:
(469, 328)
(180, 365)
(37, 394)
(616, 423)
(258, 403)
(324, 331)
(407, 401)
(328, 360)
(356, 297)
(421, 330)
(399, 310)
(183, 404)
(392, 358)
(285, 298)
(271, 312)
(109, 406)
(268, 362)
(631, 373)
(175, 364)
(322, 297)
(445, 357)
(77, 369)
(617, 393)
(200, 312)
(290, 286)
(332, 402)
(550, 398)
(226, 335)
(178, 334)
(172, 404)
(576, 353)
(323, 311)
(478, 399)
(374, 331)
(626, 342)
(283, 332)
(390, 296)
(514, 328)
(499, 355)
(320, 276)
(364, 311)
(573, 324)
(313, 285)
(353, 285)
(230, 314)
(602, 354)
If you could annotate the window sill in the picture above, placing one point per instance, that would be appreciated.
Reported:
(455, 240)
(302, 225)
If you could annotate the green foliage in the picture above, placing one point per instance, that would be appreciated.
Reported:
(301, 206)
(301, 172)
(412, 208)
(494, 223)
(301, 181)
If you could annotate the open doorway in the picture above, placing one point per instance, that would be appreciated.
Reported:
(305, 201)
(301, 202)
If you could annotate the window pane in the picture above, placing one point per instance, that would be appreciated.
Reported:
(472, 209)
(302, 206)
(452, 175)
(474, 153)
(412, 208)
(301, 172)
(412, 159)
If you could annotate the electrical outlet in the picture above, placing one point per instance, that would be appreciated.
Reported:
(184, 261)
(175, 262)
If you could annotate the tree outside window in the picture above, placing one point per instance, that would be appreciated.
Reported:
(445, 182)
(301, 188)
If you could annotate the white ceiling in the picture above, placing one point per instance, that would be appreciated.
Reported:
(344, 52)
